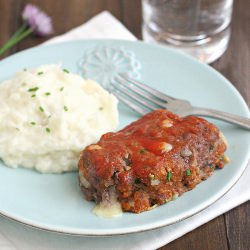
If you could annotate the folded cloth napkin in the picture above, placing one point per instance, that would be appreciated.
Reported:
(17, 236)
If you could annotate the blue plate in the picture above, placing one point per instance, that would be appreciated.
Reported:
(54, 202)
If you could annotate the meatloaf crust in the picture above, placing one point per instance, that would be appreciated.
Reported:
(151, 161)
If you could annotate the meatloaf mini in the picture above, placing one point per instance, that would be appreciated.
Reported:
(151, 161)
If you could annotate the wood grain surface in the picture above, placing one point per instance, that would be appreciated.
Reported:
(228, 231)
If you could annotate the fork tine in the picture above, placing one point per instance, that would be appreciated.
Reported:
(133, 97)
(133, 106)
(141, 93)
(150, 90)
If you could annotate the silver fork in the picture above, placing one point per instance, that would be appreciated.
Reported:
(143, 99)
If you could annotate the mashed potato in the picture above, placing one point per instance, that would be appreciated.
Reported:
(48, 115)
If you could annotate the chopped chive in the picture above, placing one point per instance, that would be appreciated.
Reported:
(33, 123)
(17, 129)
(221, 158)
(211, 166)
(61, 89)
(49, 116)
(41, 109)
(211, 147)
(33, 89)
(137, 181)
(166, 200)
(66, 71)
(47, 130)
(47, 93)
(143, 151)
(33, 96)
(188, 172)
(65, 108)
(24, 69)
(40, 73)
(101, 108)
(169, 174)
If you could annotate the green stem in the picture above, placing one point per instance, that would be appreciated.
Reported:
(16, 38)
(19, 31)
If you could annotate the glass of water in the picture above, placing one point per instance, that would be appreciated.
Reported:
(200, 28)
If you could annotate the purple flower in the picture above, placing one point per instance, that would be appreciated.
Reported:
(35, 21)
(38, 21)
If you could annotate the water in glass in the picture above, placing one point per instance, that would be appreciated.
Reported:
(198, 27)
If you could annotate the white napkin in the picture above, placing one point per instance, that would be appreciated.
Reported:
(98, 27)
(14, 235)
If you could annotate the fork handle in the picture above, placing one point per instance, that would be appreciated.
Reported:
(224, 116)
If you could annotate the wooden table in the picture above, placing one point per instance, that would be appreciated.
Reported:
(228, 231)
